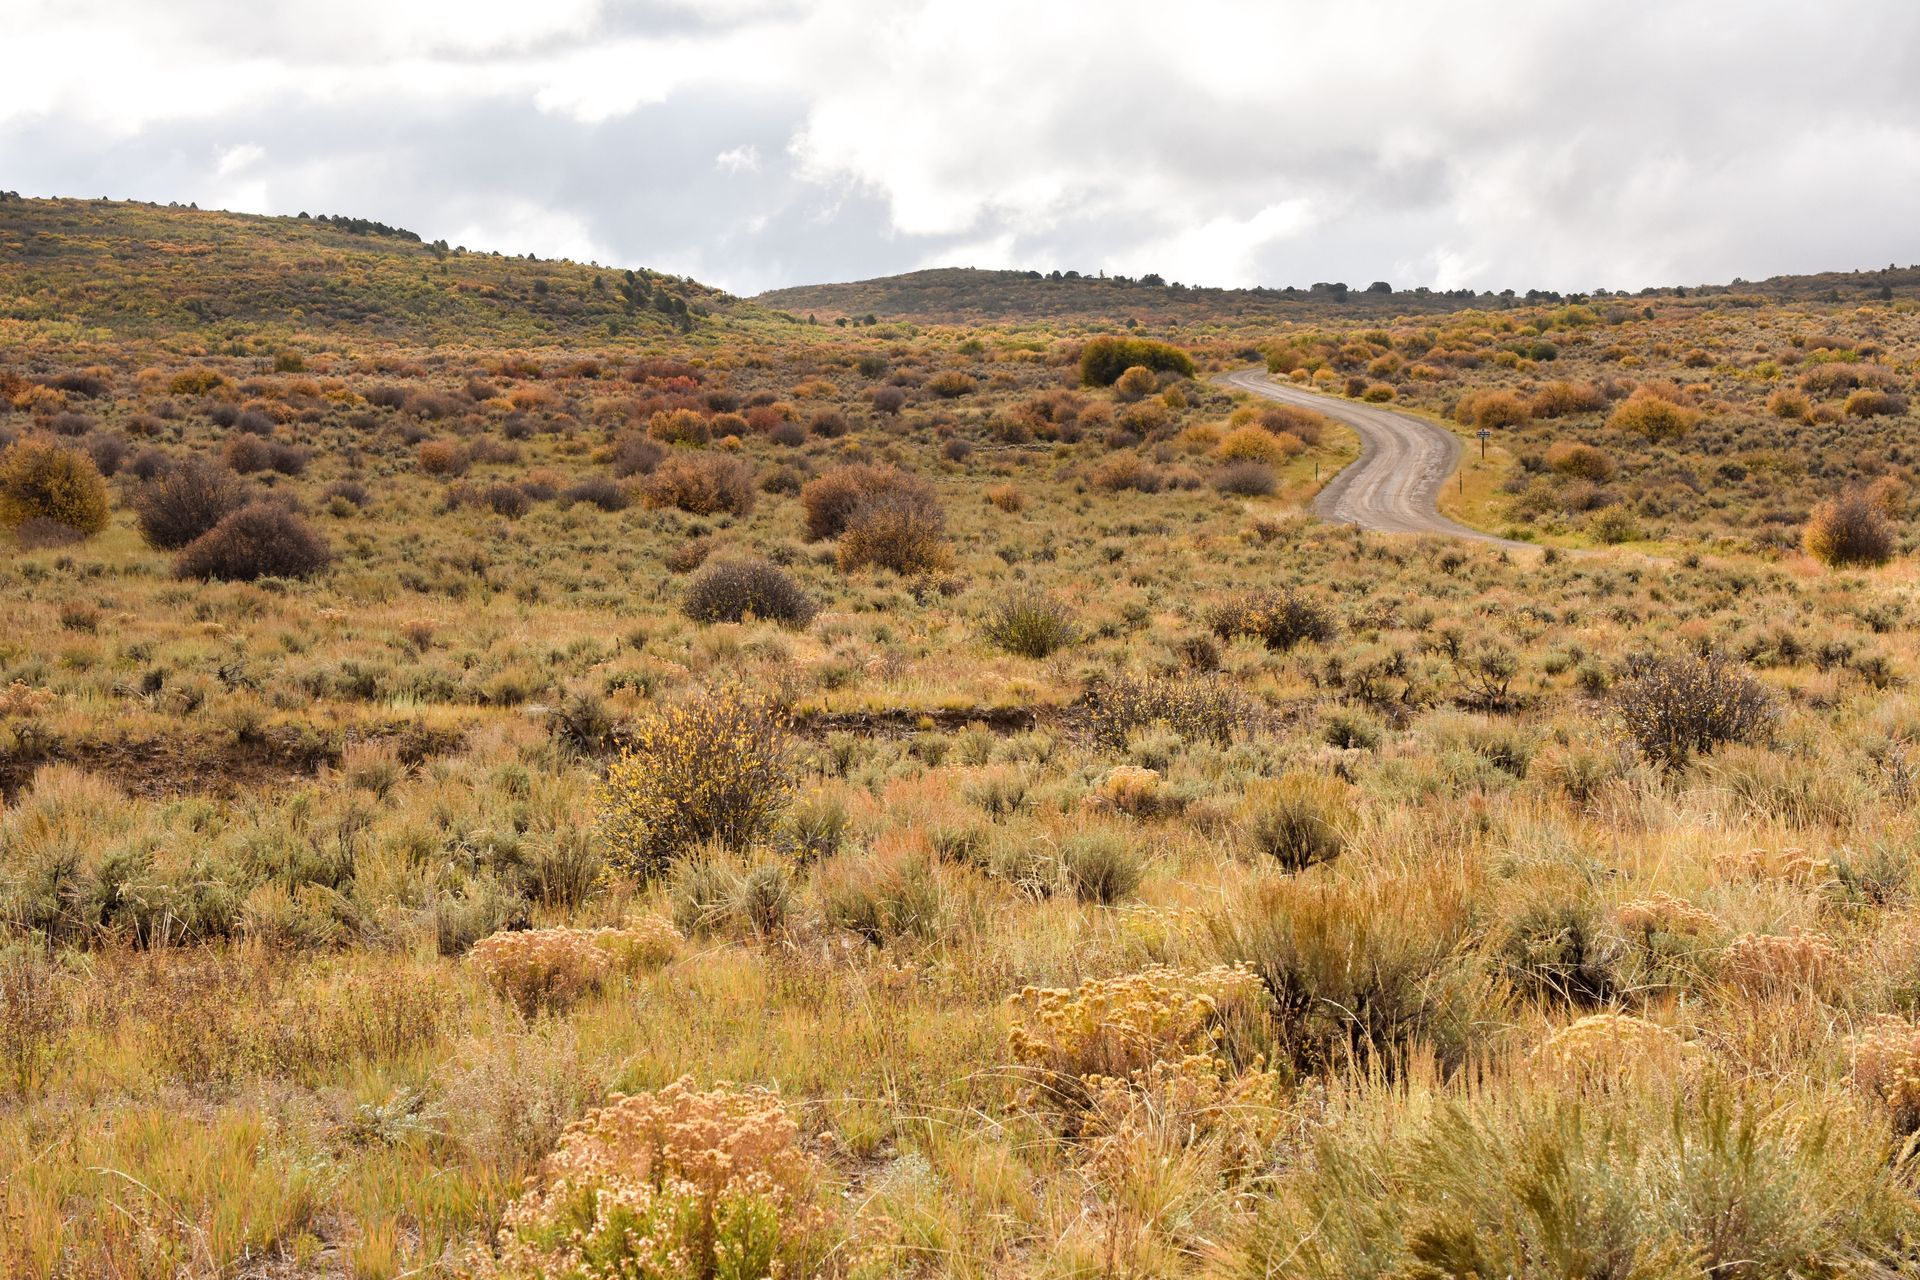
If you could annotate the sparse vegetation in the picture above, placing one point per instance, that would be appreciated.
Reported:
(1117, 869)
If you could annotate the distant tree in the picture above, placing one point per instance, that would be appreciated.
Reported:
(1379, 286)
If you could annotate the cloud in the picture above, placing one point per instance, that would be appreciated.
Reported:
(764, 142)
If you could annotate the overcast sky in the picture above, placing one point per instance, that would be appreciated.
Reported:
(755, 143)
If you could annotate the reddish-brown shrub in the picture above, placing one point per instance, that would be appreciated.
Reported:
(1571, 458)
(829, 500)
(262, 539)
(185, 501)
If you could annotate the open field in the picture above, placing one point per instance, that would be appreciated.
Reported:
(1040, 845)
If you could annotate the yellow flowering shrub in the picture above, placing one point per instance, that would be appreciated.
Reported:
(1775, 962)
(1607, 1047)
(42, 480)
(676, 1184)
(1886, 1065)
(715, 768)
(1128, 789)
(551, 968)
(1078, 1042)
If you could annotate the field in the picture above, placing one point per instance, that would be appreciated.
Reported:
(517, 768)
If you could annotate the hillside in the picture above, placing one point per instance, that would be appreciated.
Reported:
(142, 270)
(960, 295)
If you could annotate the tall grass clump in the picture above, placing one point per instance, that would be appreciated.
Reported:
(1029, 623)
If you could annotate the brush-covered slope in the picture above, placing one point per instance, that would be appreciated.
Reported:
(145, 270)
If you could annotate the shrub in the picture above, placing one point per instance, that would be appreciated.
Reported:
(597, 491)
(701, 484)
(1849, 530)
(1304, 425)
(1358, 966)
(1198, 709)
(1494, 409)
(552, 968)
(1069, 1041)
(1791, 405)
(1645, 414)
(1246, 479)
(1028, 623)
(1101, 867)
(733, 590)
(635, 455)
(887, 400)
(829, 500)
(1278, 619)
(1558, 399)
(1128, 471)
(900, 529)
(1583, 461)
(1677, 706)
(1866, 403)
(186, 501)
(262, 539)
(1104, 360)
(1254, 444)
(1529, 1181)
(1299, 819)
(42, 481)
(1886, 1067)
(196, 381)
(717, 768)
(1007, 498)
(676, 1183)
(442, 458)
(949, 384)
(883, 895)
(679, 426)
(1136, 382)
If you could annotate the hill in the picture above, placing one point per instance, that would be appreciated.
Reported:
(142, 270)
(963, 295)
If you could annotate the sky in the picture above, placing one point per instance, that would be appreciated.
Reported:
(754, 144)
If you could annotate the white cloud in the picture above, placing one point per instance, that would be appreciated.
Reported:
(745, 159)
(1473, 143)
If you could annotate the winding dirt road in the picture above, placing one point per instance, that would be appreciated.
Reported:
(1393, 485)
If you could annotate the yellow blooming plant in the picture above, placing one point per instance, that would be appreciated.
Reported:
(551, 968)
(680, 1183)
(1606, 1048)
(715, 768)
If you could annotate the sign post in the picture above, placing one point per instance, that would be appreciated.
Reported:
(1483, 433)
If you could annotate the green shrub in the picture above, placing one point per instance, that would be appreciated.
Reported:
(1028, 623)
(1298, 820)
(1103, 360)
(1648, 1179)
(1101, 867)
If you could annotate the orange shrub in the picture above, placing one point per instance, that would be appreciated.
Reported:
(1647, 414)
(701, 484)
(1492, 409)
(1571, 458)
(1849, 530)
(443, 458)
